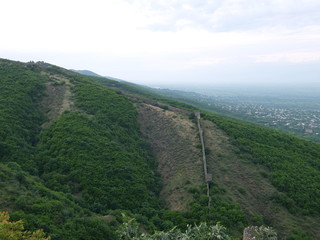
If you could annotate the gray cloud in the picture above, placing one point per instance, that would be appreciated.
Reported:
(229, 15)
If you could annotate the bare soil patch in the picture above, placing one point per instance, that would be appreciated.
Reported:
(57, 98)
(173, 139)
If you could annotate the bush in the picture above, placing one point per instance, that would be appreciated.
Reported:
(130, 230)
(15, 230)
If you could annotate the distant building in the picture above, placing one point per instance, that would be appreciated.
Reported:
(309, 131)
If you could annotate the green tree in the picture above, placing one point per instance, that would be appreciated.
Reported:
(15, 230)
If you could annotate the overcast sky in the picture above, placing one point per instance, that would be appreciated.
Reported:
(201, 42)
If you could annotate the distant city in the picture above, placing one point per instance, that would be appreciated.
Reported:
(298, 114)
(298, 120)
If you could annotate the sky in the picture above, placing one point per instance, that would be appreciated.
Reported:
(196, 43)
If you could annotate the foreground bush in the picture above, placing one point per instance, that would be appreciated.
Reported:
(15, 230)
(130, 230)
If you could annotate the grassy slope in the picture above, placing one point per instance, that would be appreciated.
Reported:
(173, 139)
(57, 97)
(175, 142)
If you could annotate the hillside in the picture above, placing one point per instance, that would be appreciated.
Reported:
(78, 139)
(235, 151)
(173, 139)
(248, 184)
(78, 151)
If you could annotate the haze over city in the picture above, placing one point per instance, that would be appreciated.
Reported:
(170, 43)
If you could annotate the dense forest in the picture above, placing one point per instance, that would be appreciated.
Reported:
(75, 173)
(293, 163)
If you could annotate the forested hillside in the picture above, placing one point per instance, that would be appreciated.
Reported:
(293, 163)
(77, 152)
(90, 159)
(20, 93)
(288, 163)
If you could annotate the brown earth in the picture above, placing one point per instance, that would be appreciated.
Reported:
(57, 98)
(173, 139)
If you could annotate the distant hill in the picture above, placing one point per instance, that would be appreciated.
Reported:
(93, 74)
(86, 72)
(78, 151)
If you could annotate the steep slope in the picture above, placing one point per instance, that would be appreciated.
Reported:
(20, 92)
(258, 169)
(58, 214)
(77, 151)
(102, 134)
(254, 187)
(57, 97)
(247, 184)
(82, 143)
(174, 139)
(271, 175)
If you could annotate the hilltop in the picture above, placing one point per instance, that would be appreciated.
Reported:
(77, 151)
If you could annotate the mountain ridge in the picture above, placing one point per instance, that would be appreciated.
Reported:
(98, 147)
